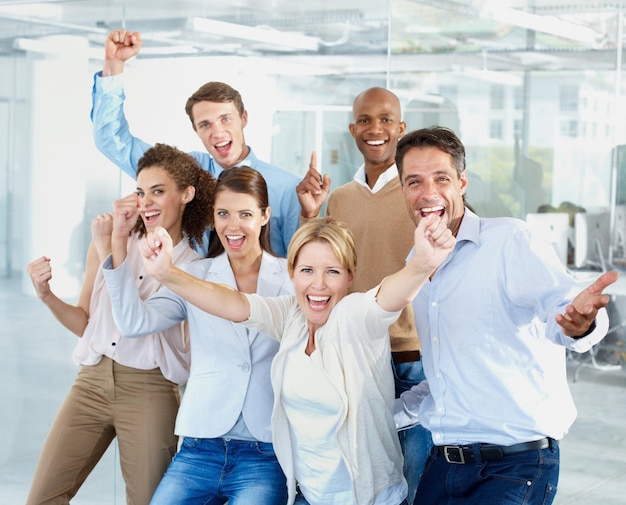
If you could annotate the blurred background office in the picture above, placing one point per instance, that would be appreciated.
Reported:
(534, 88)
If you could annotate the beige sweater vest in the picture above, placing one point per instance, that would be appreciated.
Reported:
(383, 233)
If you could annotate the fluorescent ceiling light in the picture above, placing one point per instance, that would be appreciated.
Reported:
(168, 50)
(257, 34)
(56, 45)
(49, 46)
(483, 74)
(544, 24)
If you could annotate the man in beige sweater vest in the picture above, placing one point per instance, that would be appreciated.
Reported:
(373, 207)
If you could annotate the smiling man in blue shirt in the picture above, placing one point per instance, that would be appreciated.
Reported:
(494, 322)
(217, 116)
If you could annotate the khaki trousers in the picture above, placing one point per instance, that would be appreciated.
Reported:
(109, 400)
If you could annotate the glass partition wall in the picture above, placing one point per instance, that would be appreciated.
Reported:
(533, 88)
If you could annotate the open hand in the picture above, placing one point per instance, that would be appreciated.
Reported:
(581, 313)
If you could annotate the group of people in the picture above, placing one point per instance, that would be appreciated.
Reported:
(304, 372)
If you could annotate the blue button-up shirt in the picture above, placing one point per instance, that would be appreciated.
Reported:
(113, 138)
(492, 351)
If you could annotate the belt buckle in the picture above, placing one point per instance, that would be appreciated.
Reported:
(454, 454)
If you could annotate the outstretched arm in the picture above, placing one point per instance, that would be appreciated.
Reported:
(110, 128)
(579, 317)
(216, 299)
(73, 317)
(433, 243)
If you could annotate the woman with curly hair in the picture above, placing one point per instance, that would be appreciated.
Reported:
(125, 388)
(225, 415)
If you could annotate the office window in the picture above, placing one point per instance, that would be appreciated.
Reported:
(496, 129)
(569, 128)
(449, 64)
(497, 97)
(449, 92)
(518, 98)
(568, 97)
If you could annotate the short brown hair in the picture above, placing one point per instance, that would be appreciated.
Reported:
(214, 91)
(439, 137)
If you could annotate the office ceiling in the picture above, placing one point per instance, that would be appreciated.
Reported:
(341, 35)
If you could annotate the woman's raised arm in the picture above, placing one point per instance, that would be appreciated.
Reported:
(217, 299)
(433, 243)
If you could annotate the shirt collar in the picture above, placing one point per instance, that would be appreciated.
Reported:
(248, 161)
(384, 178)
(470, 228)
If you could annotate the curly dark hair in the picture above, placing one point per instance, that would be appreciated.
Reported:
(185, 171)
(248, 181)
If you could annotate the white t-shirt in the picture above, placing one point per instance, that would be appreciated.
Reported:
(315, 411)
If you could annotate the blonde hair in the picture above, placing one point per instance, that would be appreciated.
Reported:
(327, 229)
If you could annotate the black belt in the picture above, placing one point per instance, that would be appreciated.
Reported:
(405, 356)
(461, 454)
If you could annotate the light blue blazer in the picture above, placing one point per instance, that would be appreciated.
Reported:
(230, 365)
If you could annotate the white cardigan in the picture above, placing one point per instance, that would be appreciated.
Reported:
(354, 346)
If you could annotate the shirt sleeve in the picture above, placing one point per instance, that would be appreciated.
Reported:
(111, 131)
(406, 408)
(585, 343)
(540, 282)
(269, 315)
(290, 212)
(133, 316)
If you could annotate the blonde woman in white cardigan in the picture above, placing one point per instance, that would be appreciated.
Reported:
(332, 423)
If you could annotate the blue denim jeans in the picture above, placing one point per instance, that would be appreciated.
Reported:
(416, 442)
(211, 471)
(528, 478)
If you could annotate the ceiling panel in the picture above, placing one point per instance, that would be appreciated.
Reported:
(443, 34)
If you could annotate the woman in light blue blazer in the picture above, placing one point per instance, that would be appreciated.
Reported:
(224, 418)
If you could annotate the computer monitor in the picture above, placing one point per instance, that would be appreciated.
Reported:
(619, 235)
(592, 240)
(553, 227)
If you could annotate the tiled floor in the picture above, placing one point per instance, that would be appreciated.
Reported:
(37, 370)
(35, 360)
